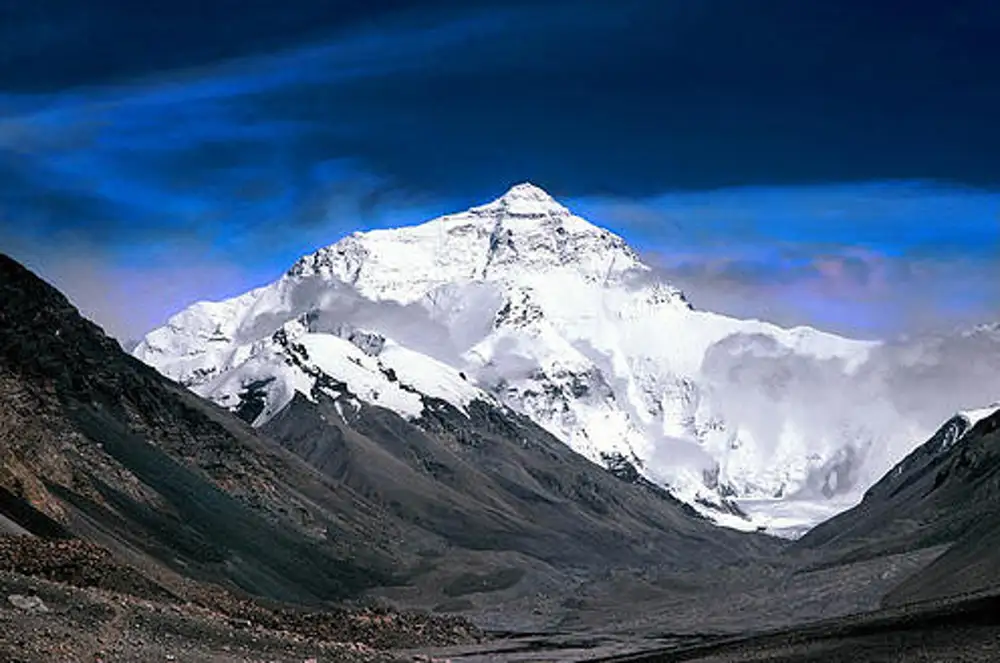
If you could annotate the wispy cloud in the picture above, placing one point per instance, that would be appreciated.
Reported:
(910, 215)
(128, 296)
(195, 145)
(139, 199)
(871, 260)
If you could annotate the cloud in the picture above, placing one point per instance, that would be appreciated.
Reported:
(223, 153)
(85, 44)
(869, 260)
(870, 297)
(865, 295)
(909, 215)
(902, 393)
(584, 97)
(129, 295)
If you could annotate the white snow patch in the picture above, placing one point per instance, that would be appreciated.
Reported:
(977, 415)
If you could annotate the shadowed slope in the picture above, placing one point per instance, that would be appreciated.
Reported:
(102, 444)
(947, 491)
(493, 480)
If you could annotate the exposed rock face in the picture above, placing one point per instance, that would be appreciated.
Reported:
(488, 479)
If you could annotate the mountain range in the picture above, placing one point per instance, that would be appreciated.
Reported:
(241, 530)
(347, 467)
(324, 501)
(521, 306)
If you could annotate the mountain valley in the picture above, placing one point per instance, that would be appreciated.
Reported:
(524, 306)
(460, 508)
(533, 331)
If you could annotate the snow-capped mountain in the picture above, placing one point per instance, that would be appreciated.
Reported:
(522, 304)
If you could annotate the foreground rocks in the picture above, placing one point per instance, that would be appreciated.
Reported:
(76, 563)
(68, 601)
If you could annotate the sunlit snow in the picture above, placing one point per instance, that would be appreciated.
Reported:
(521, 303)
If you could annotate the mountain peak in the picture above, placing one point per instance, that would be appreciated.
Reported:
(523, 231)
(527, 190)
(524, 199)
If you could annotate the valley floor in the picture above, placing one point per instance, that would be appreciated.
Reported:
(963, 632)
(780, 613)
(960, 632)
(69, 602)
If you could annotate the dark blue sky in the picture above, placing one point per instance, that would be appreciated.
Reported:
(837, 158)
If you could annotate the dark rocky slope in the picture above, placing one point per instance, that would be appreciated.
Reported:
(95, 443)
(494, 481)
(945, 493)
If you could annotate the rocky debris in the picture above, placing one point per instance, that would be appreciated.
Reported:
(95, 626)
(90, 624)
(74, 562)
(28, 603)
(375, 628)
(128, 601)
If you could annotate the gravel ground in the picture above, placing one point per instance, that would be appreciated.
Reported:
(965, 631)
(45, 622)
(66, 601)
